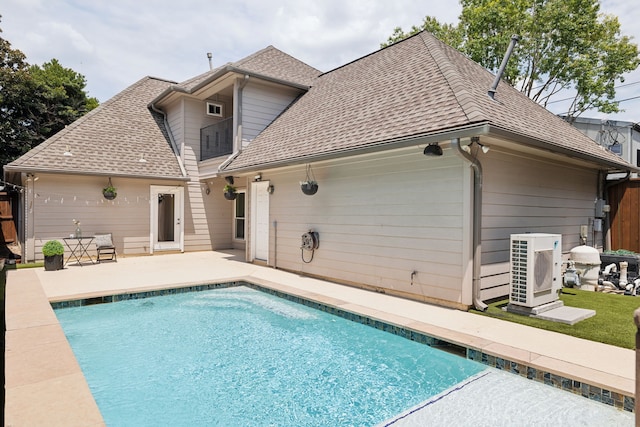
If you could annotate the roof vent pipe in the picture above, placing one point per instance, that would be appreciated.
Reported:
(514, 39)
(210, 56)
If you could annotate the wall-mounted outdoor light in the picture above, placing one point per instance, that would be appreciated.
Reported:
(433, 150)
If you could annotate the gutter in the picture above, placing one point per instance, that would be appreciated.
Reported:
(19, 169)
(221, 72)
(477, 220)
(460, 132)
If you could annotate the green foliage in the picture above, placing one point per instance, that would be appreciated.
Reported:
(36, 102)
(52, 247)
(447, 33)
(229, 189)
(565, 45)
(619, 252)
(613, 323)
(62, 96)
(110, 189)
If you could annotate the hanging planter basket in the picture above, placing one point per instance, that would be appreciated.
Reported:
(109, 195)
(309, 186)
(109, 192)
(230, 192)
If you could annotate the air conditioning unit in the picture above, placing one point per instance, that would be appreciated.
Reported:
(535, 274)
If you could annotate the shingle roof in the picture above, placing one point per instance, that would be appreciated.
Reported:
(268, 62)
(419, 86)
(111, 139)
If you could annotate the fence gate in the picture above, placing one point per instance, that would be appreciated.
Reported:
(8, 234)
(624, 200)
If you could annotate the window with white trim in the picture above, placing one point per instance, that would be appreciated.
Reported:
(214, 109)
(239, 216)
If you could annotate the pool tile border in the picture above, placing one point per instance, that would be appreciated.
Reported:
(581, 388)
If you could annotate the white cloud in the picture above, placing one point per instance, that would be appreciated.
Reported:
(114, 43)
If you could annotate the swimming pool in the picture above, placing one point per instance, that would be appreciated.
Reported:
(238, 356)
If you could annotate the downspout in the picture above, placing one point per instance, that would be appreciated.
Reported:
(238, 145)
(477, 221)
(171, 140)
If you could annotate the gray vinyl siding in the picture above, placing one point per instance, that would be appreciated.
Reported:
(261, 104)
(194, 120)
(524, 194)
(59, 199)
(380, 218)
(218, 213)
(529, 195)
(175, 119)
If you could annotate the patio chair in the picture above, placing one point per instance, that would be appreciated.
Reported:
(105, 248)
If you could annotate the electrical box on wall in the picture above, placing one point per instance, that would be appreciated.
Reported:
(597, 225)
(601, 208)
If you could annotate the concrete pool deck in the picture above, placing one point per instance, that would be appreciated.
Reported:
(45, 386)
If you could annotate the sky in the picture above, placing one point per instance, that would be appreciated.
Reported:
(117, 42)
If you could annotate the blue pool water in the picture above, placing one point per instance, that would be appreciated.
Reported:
(242, 357)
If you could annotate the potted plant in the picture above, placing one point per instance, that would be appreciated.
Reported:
(230, 192)
(109, 192)
(53, 252)
(309, 187)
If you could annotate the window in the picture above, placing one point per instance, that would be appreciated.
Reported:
(616, 148)
(638, 158)
(214, 109)
(239, 216)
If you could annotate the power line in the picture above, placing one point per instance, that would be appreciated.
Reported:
(571, 97)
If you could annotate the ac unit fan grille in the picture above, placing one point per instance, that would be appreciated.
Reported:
(519, 250)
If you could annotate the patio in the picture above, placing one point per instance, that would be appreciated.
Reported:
(45, 386)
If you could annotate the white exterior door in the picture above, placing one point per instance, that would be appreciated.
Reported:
(260, 220)
(166, 218)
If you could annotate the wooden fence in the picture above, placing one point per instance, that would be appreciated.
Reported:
(624, 200)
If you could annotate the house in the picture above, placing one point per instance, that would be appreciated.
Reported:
(622, 229)
(385, 217)
(620, 137)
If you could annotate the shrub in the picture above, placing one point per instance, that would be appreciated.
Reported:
(52, 247)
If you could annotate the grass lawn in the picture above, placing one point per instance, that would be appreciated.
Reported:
(613, 323)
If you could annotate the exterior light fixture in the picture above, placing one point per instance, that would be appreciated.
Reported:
(433, 150)
(476, 139)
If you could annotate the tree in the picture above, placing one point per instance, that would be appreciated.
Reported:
(36, 102)
(17, 107)
(61, 95)
(566, 46)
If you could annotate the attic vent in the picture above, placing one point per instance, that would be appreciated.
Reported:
(214, 109)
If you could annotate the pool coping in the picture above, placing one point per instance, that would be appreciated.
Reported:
(76, 405)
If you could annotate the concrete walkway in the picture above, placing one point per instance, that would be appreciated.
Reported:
(45, 386)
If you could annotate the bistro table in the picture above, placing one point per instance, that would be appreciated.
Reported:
(78, 247)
